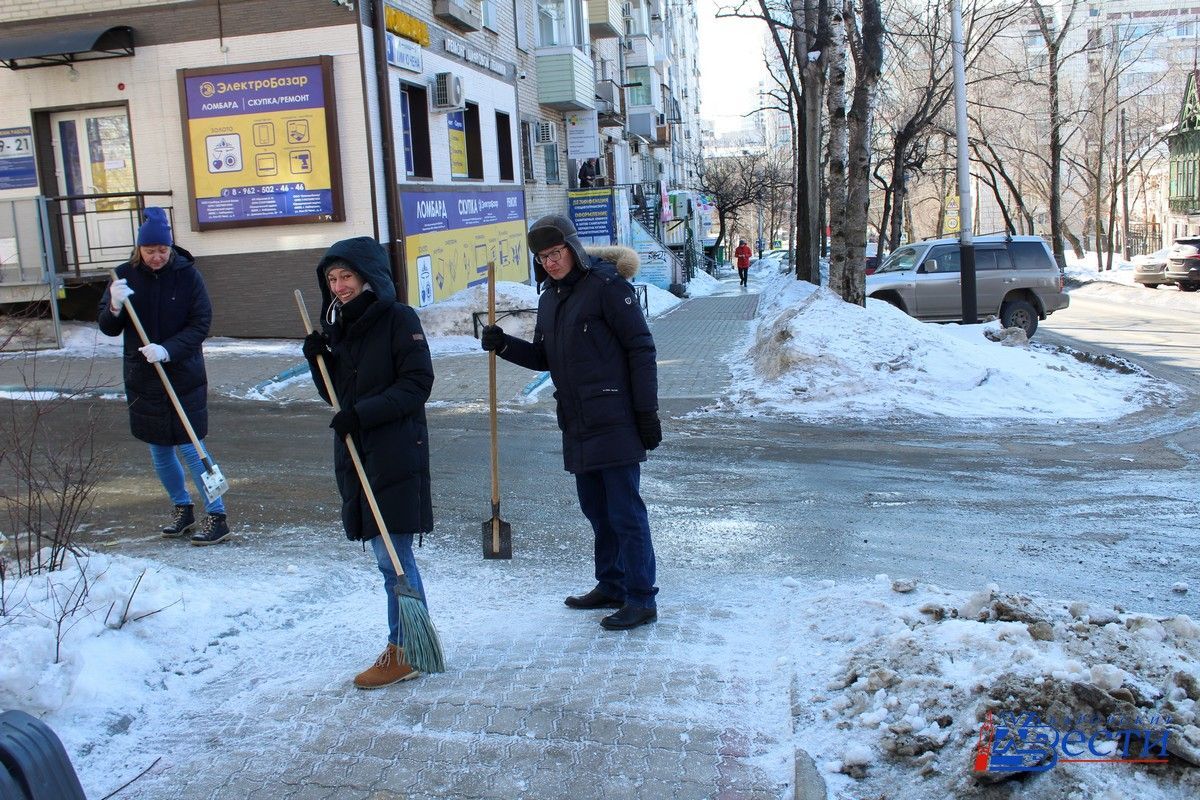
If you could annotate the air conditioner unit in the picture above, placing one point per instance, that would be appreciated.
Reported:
(446, 92)
(545, 132)
(626, 9)
(660, 120)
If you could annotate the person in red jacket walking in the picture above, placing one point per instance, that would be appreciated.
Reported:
(741, 258)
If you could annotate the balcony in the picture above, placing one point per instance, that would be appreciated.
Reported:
(605, 19)
(610, 104)
(566, 79)
(463, 15)
(651, 127)
(640, 51)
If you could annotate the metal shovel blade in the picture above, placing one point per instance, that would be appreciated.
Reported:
(215, 484)
(497, 538)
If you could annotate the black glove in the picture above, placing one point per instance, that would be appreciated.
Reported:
(649, 428)
(345, 422)
(492, 338)
(315, 344)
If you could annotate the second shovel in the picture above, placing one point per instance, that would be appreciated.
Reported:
(497, 534)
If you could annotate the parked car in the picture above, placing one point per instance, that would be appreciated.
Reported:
(1150, 270)
(871, 262)
(1183, 264)
(1016, 279)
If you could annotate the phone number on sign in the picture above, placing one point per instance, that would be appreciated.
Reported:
(274, 188)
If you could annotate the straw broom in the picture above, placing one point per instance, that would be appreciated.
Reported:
(421, 646)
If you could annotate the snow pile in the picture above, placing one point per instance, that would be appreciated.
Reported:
(916, 675)
(814, 355)
(660, 300)
(703, 284)
(449, 323)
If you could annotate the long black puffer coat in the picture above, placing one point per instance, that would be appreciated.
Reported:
(381, 367)
(592, 336)
(174, 308)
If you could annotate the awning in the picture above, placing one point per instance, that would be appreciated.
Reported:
(66, 47)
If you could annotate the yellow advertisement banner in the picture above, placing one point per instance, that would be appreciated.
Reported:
(457, 128)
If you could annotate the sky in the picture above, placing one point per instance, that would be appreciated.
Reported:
(874, 665)
(731, 65)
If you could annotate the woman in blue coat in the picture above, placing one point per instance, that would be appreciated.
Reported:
(161, 282)
(382, 373)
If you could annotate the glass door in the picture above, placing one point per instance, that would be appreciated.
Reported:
(94, 158)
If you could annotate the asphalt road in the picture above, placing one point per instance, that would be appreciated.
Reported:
(1097, 512)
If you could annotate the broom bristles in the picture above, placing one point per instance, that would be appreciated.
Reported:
(421, 646)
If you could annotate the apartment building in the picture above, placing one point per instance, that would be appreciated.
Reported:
(271, 128)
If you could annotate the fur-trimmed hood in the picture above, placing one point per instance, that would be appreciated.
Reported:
(624, 258)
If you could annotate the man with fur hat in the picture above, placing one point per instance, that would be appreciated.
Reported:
(593, 338)
(382, 373)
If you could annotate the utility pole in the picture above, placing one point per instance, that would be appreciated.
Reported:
(1124, 178)
(970, 312)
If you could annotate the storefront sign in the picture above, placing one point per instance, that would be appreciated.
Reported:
(591, 211)
(261, 142)
(655, 259)
(476, 57)
(405, 25)
(583, 135)
(451, 236)
(456, 127)
(403, 53)
(17, 170)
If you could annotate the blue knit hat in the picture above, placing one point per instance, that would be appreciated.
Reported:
(156, 229)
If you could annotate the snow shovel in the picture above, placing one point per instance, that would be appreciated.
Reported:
(214, 482)
(422, 648)
(497, 534)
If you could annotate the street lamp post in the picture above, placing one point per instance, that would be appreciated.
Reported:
(970, 313)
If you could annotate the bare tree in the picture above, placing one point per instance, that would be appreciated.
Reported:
(734, 182)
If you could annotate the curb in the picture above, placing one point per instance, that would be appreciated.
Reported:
(809, 783)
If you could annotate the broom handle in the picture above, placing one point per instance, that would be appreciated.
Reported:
(166, 382)
(358, 467)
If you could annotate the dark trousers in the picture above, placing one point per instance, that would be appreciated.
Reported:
(743, 274)
(611, 501)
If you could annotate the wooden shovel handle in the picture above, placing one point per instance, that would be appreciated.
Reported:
(358, 467)
(166, 382)
(491, 277)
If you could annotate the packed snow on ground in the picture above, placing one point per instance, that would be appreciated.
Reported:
(1115, 285)
(891, 678)
(813, 355)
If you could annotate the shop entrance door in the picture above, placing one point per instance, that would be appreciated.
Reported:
(93, 157)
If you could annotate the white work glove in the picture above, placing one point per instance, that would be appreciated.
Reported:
(155, 353)
(118, 293)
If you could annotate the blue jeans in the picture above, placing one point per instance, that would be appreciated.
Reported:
(611, 500)
(402, 542)
(170, 472)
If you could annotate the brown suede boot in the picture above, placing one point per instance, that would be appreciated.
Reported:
(391, 667)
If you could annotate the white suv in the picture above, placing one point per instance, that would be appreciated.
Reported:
(1016, 279)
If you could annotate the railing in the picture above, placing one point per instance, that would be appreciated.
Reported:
(92, 232)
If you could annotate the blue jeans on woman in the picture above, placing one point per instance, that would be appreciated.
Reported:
(170, 472)
(402, 542)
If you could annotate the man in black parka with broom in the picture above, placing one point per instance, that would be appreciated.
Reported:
(382, 374)
(592, 336)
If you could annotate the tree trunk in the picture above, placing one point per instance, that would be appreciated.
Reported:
(868, 65)
(838, 156)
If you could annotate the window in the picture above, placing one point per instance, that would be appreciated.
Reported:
(641, 95)
(551, 16)
(946, 257)
(474, 136)
(1030, 255)
(489, 12)
(504, 146)
(527, 151)
(521, 25)
(414, 133)
(552, 174)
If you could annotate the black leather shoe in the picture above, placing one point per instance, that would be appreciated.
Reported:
(629, 617)
(593, 599)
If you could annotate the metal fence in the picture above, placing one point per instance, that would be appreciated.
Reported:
(91, 233)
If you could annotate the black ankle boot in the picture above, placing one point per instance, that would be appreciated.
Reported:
(185, 520)
(216, 530)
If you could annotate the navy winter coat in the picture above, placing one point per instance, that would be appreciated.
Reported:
(381, 367)
(592, 336)
(174, 308)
